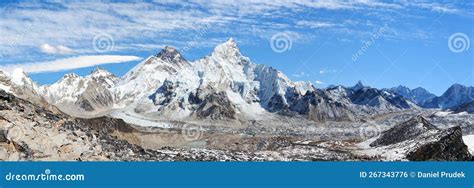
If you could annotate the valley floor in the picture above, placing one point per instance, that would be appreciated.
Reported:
(34, 133)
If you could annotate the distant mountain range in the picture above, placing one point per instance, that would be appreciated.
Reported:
(417, 95)
(455, 98)
(224, 85)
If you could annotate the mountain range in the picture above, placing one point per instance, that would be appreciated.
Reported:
(224, 107)
(224, 85)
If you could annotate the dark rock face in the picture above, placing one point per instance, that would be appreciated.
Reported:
(455, 95)
(3, 135)
(466, 107)
(108, 125)
(167, 91)
(319, 107)
(216, 106)
(315, 105)
(449, 147)
(417, 95)
(170, 54)
(372, 97)
(95, 97)
(422, 141)
(276, 103)
(404, 131)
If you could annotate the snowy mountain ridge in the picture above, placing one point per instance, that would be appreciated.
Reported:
(223, 85)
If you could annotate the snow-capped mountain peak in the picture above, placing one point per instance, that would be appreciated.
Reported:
(100, 72)
(70, 76)
(417, 95)
(227, 50)
(19, 77)
(358, 86)
(224, 84)
(171, 55)
(455, 95)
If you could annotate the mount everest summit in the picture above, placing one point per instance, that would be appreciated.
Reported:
(222, 85)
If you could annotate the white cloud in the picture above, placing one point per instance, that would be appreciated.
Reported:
(324, 71)
(300, 75)
(314, 24)
(69, 63)
(50, 49)
(32, 25)
(318, 82)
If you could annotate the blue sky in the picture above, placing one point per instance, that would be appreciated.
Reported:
(326, 42)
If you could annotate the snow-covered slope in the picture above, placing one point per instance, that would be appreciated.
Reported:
(19, 84)
(82, 96)
(369, 98)
(469, 141)
(221, 85)
(419, 140)
(146, 77)
(225, 85)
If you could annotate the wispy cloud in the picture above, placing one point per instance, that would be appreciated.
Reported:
(301, 75)
(325, 71)
(69, 63)
(314, 24)
(50, 49)
(62, 28)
